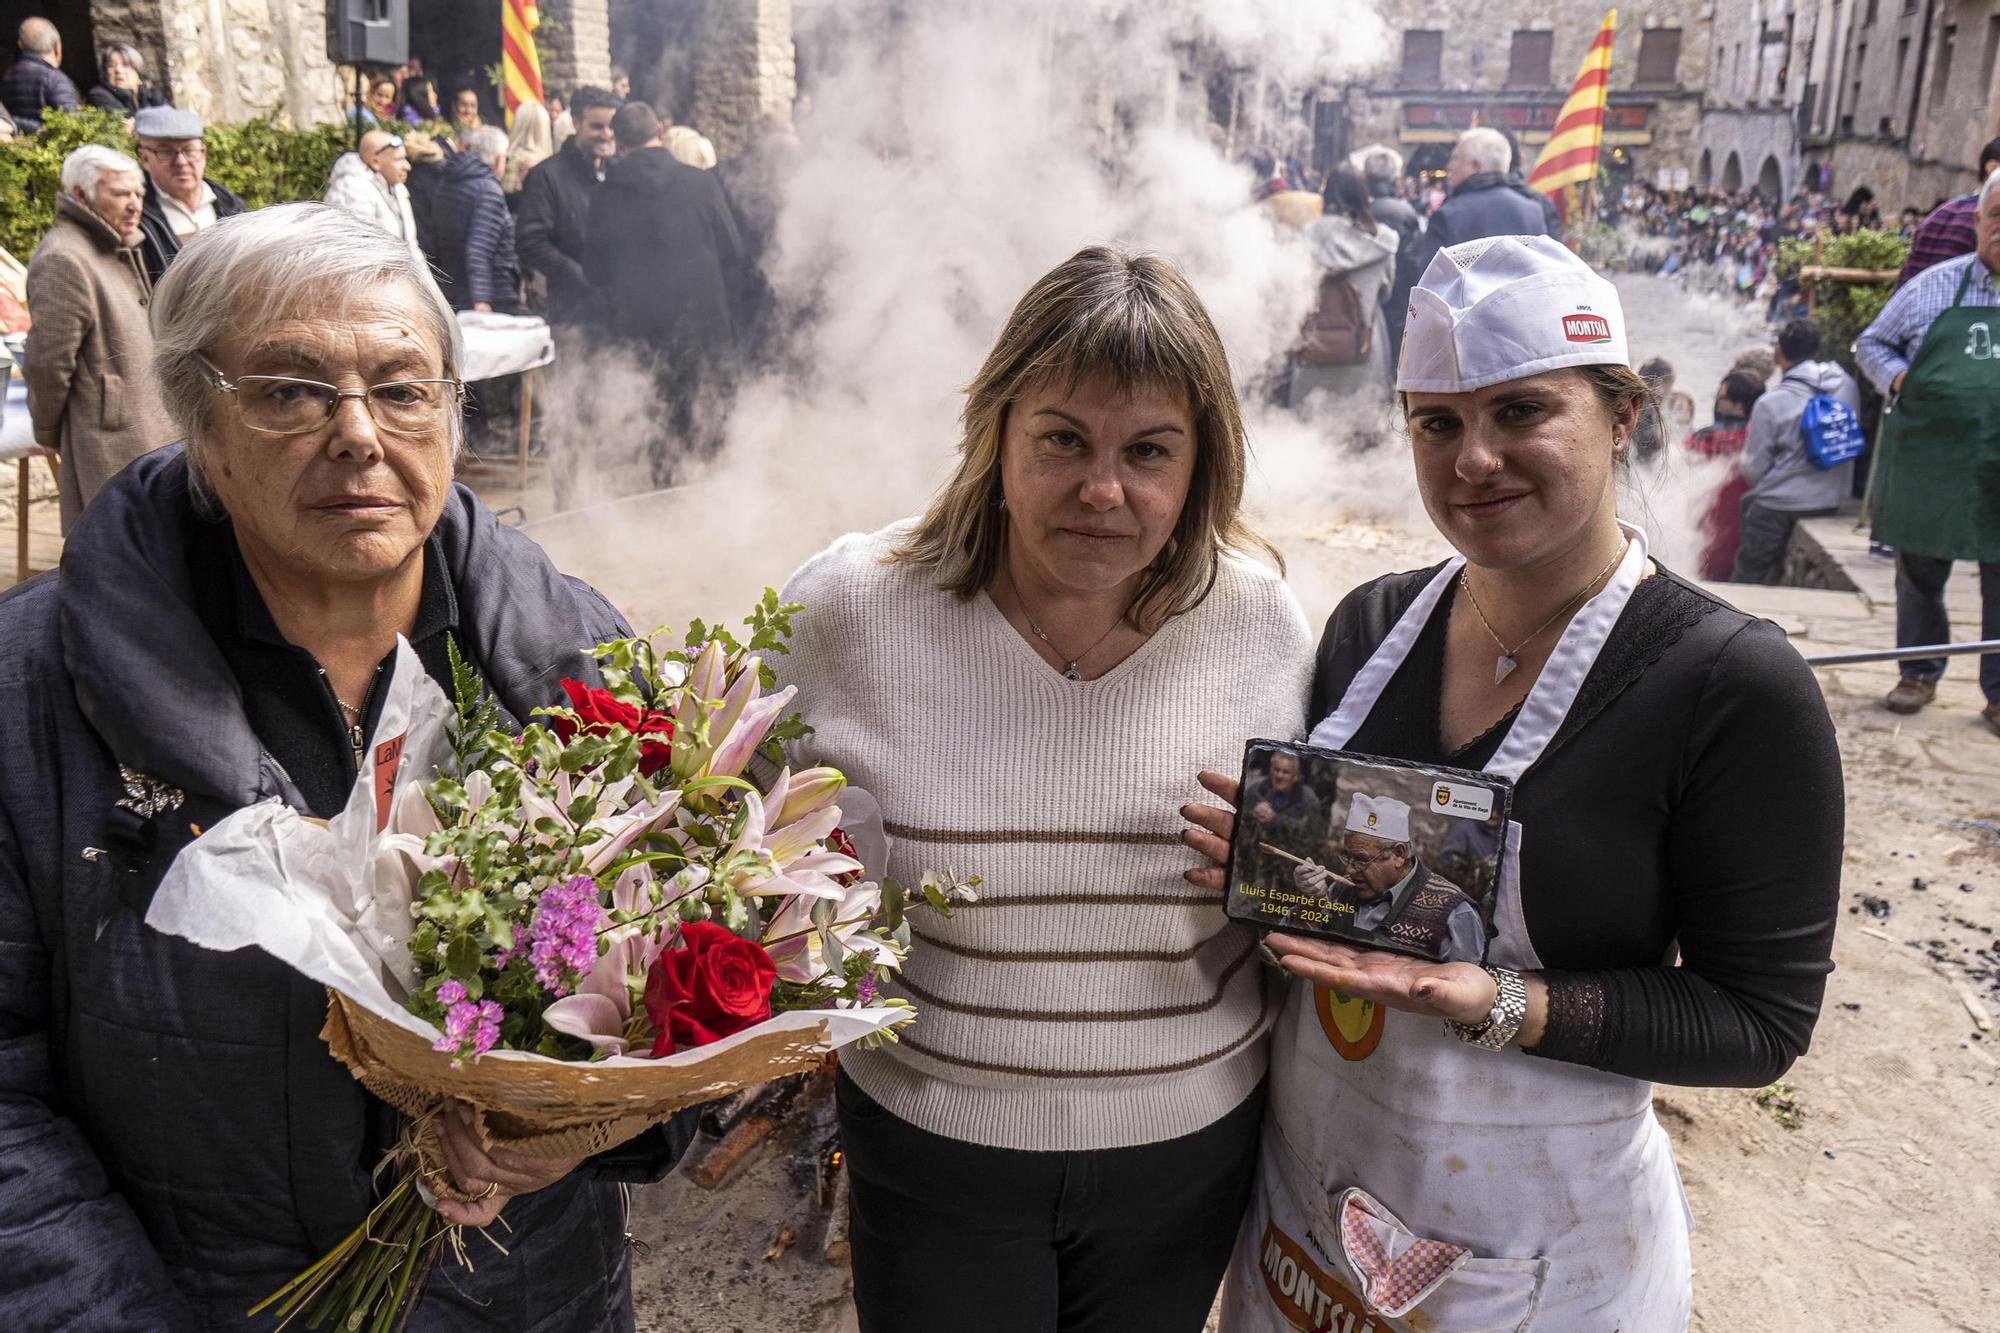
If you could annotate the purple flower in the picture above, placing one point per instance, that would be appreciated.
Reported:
(563, 936)
(450, 993)
(469, 1029)
(864, 989)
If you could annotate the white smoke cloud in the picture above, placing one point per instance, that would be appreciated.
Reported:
(956, 150)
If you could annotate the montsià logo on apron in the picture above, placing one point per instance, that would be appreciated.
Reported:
(1312, 1299)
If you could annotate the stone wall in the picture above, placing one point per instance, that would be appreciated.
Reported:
(231, 60)
(575, 43)
(745, 69)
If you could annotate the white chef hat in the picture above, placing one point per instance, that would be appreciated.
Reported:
(1382, 817)
(1505, 308)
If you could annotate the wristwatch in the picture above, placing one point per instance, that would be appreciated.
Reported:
(1510, 1010)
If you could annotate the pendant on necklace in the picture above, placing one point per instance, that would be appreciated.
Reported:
(1504, 667)
(1071, 673)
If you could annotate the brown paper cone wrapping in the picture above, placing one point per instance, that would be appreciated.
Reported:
(551, 1108)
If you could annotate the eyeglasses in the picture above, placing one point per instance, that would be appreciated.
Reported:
(175, 154)
(282, 405)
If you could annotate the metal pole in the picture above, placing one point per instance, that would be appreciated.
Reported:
(1897, 654)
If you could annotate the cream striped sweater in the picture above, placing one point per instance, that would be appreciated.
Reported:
(1092, 998)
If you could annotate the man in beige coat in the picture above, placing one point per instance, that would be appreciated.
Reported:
(90, 351)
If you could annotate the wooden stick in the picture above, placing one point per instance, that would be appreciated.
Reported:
(1302, 861)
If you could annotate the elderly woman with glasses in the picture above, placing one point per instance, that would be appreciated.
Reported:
(175, 1141)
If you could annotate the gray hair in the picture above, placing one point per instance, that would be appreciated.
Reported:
(88, 165)
(1486, 149)
(247, 271)
(1986, 190)
(37, 37)
(1380, 165)
(485, 142)
(128, 53)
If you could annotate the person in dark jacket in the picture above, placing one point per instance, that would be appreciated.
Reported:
(553, 213)
(664, 247)
(175, 1140)
(180, 199)
(1380, 169)
(124, 88)
(472, 229)
(1517, 180)
(35, 83)
(1483, 202)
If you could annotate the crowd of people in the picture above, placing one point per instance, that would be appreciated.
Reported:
(593, 211)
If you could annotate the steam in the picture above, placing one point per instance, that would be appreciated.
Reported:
(954, 152)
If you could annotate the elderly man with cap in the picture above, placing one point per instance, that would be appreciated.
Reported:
(180, 199)
(1937, 471)
(1669, 882)
(1393, 893)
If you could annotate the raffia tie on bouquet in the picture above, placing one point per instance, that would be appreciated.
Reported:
(545, 1108)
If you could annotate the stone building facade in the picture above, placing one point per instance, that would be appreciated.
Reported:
(1510, 63)
(1911, 98)
(1756, 100)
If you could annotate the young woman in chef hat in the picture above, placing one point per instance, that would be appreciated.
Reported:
(1463, 1147)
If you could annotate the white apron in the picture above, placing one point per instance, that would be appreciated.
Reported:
(1409, 1182)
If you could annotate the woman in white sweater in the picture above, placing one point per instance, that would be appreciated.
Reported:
(1026, 676)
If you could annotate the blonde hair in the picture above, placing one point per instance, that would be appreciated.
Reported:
(1134, 319)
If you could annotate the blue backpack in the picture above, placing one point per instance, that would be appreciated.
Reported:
(1831, 431)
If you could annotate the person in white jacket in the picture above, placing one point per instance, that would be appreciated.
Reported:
(369, 184)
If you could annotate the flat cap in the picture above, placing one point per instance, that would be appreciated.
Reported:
(166, 122)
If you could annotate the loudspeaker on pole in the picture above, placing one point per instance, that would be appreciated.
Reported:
(368, 32)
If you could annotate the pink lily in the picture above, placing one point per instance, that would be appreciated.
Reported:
(796, 795)
(748, 733)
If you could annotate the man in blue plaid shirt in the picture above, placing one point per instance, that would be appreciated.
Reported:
(1936, 491)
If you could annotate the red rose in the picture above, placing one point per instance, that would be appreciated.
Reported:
(711, 984)
(598, 711)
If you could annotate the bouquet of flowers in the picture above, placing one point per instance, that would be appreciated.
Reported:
(576, 927)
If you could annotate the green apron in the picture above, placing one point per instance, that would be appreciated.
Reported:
(1937, 474)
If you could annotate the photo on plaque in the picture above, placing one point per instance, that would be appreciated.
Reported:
(1377, 852)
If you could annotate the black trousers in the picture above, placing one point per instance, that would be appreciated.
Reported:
(952, 1237)
(1921, 617)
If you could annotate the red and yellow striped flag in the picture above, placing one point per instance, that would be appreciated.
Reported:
(520, 66)
(1570, 155)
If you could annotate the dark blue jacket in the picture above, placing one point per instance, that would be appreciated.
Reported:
(474, 236)
(31, 86)
(175, 1142)
(1487, 204)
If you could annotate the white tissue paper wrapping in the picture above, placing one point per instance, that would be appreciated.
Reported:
(333, 899)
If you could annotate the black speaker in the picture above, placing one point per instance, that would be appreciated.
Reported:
(368, 32)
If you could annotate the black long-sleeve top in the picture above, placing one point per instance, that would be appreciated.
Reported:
(1692, 797)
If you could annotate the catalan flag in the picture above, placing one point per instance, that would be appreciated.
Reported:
(520, 66)
(1570, 155)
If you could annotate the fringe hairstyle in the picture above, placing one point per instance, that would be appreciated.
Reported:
(1134, 319)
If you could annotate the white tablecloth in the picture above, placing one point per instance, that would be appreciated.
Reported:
(17, 436)
(503, 344)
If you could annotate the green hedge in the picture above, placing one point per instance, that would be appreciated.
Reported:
(263, 161)
(1844, 309)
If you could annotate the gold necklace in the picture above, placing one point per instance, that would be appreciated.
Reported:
(1504, 666)
(355, 740)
